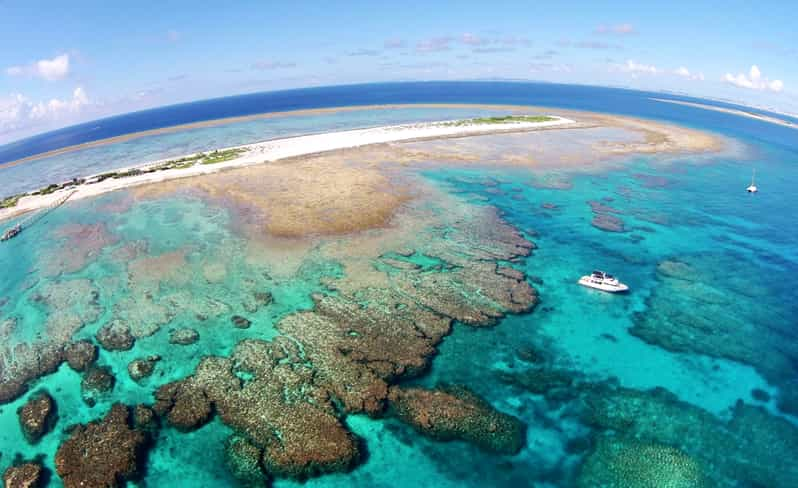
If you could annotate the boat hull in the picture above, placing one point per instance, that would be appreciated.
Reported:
(587, 282)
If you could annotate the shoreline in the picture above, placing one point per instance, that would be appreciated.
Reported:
(281, 149)
(246, 118)
(657, 137)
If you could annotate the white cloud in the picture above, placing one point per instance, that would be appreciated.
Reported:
(754, 81)
(433, 45)
(685, 73)
(636, 68)
(17, 112)
(619, 29)
(473, 40)
(48, 69)
(271, 65)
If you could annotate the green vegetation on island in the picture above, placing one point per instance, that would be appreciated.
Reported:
(505, 119)
(9, 202)
(212, 157)
(222, 156)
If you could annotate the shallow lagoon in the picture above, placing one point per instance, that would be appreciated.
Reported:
(684, 209)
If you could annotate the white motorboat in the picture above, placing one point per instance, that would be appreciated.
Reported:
(752, 188)
(603, 281)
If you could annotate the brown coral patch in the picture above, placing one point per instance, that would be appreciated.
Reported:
(37, 416)
(101, 453)
(26, 475)
(80, 355)
(455, 413)
(314, 195)
(82, 244)
(278, 408)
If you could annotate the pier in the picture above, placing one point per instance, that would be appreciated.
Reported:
(35, 217)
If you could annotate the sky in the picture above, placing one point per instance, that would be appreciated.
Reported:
(63, 63)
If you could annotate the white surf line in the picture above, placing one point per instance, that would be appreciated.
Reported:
(284, 148)
(732, 111)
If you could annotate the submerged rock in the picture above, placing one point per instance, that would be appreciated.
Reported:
(184, 336)
(457, 413)
(116, 336)
(760, 395)
(186, 408)
(37, 416)
(256, 301)
(274, 398)
(144, 418)
(141, 368)
(240, 322)
(736, 452)
(698, 307)
(24, 363)
(26, 475)
(243, 459)
(620, 463)
(80, 355)
(97, 380)
(288, 397)
(101, 453)
(608, 223)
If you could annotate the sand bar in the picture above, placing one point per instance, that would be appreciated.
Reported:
(733, 111)
(285, 148)
(654, 138)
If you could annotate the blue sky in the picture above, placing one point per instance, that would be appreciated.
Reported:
(67, 62)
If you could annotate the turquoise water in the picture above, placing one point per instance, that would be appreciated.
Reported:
(741, 251)
(39, 173)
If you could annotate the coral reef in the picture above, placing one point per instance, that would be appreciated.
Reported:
(240, 322)
(277, 396)
(97, 381)
(26, 475)
(141, 368)
(620, 463)
(115, 336)
(24, 363)
(71, 304)
(184, 336)
(286, 398)
(740, 450)
(693, 291)
(185, 406)
(101, 453)
(243, 461)
(604, 219)
(80, 355)
(37, 416)
(256, 301)
(81, 244)
(144, 418)
(456, 413)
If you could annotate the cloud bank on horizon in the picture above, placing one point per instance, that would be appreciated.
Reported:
(76, 65)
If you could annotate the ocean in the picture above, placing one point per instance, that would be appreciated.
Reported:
(689, 380)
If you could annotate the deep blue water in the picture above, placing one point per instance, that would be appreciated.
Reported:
(601, 99)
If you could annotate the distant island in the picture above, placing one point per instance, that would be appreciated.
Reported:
(732, 111)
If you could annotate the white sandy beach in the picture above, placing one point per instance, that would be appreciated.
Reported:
(285, 148)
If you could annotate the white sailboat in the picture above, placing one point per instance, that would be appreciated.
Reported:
(752, 188)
